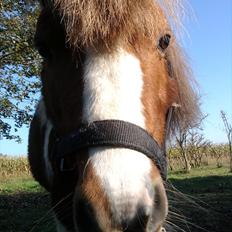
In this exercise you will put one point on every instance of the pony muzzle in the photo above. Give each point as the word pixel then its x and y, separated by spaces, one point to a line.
pixel 94 211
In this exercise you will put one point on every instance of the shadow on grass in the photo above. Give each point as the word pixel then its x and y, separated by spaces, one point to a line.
pixel 201 203
pixel 24 212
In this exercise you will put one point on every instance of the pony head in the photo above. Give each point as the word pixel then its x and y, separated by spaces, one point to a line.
pixel 108 60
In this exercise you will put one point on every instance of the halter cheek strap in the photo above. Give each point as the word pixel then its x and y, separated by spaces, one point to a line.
pixel 112 133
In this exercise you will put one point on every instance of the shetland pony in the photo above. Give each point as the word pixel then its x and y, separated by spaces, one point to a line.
pixel 114 61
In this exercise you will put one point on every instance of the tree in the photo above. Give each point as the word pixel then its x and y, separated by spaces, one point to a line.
pixel 228 129
pixel 181 139
pixel 19 65
pixel 217 152
pixel 197 146
pixel 187 137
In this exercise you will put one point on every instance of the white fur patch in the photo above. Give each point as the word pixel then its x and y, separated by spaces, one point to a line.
pixel 113 85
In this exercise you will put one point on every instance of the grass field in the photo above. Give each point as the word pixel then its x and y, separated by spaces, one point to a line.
pixel 203 202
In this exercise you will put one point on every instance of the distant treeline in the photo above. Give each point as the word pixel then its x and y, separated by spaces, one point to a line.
pixel 207 155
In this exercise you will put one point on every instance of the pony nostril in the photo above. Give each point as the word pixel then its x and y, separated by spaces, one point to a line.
pixel 85 215
pixel 136 224
pixel 160 209
pixel 161 204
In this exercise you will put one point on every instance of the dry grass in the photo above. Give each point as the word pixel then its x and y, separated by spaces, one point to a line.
pixel 14 167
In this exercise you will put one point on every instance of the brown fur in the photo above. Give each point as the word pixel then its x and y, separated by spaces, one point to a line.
pixel 175 87
pixel 92 191
pixel 188 111
pixel 159 92
pixel 137 26
pixel 61 75
pixel 35 151
pixel 94 22
pixel 161 203
pixel 106 23
pixel 164 87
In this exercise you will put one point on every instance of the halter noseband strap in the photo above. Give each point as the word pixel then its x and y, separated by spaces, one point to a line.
pixel 113 133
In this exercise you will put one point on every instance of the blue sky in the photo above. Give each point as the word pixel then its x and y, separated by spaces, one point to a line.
pixel 208 43
pixel 209 47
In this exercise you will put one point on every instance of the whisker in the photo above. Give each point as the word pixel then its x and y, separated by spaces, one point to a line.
pixel 195 202
pixel 189 198
pixel 172 224
pixel 194 225
pixel 50 211
pixel 179 218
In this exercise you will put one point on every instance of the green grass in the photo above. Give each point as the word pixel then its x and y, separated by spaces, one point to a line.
pixel 204 197
pixel 24 212
pixel 203 180
pixel 24 206
pixel 19 184
pixel 204 202
pixel 201 171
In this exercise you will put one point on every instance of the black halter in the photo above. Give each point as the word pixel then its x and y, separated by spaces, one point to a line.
pixel 112 133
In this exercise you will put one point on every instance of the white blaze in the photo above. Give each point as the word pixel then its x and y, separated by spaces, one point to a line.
pixel 113 85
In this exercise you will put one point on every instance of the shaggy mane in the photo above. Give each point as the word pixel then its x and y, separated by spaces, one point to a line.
pixel 187 113
pixel 95 22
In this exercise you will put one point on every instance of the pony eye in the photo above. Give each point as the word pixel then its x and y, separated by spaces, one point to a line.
pixel 164 42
